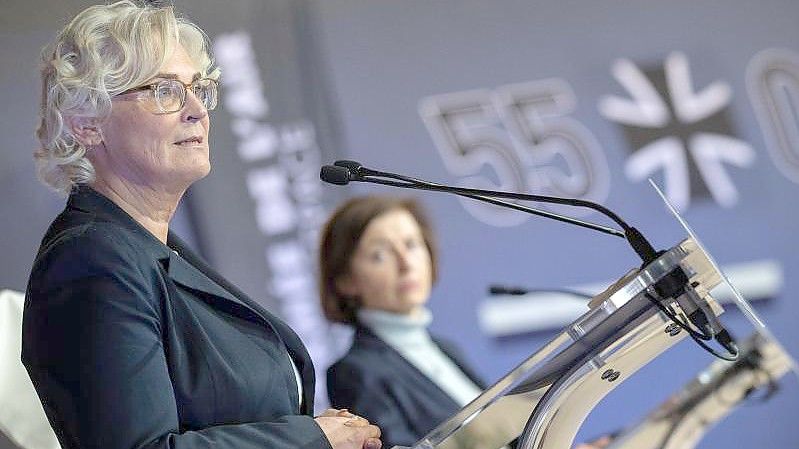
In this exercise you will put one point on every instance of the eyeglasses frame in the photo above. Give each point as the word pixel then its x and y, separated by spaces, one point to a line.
pixel 153 87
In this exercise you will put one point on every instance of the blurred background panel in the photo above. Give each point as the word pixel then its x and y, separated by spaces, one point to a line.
pixel 572 98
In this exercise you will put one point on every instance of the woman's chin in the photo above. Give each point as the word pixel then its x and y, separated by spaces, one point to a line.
pixel 415 306
pixel 183 177
pixel 199 168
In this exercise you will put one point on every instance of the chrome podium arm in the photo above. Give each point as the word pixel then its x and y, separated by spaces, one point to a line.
pixel 562 409
pixel 684 418
pixel 542 402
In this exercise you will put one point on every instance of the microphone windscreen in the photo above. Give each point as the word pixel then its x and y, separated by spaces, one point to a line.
pixel 335 175
pixel 496 289
pixel 354 166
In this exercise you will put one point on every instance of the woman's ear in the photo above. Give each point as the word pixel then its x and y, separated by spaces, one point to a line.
pixel 86 130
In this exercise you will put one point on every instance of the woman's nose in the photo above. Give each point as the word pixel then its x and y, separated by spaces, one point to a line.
pixel 194 110
pixel 403 262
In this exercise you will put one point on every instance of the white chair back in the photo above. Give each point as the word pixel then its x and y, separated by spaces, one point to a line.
pixel 22 417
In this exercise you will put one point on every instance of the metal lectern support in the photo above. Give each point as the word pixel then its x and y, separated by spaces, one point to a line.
pixel 543 402
pixel 684 418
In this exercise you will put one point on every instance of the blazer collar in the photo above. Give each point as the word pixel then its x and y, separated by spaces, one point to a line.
pixel 185 274
pixel 87 200
pixel 405 370
pixel 188 269
pixel 180 262
pixel 367 338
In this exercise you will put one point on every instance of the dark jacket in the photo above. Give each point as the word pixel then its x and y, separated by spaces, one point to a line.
pixel 375 381
pixel 131 343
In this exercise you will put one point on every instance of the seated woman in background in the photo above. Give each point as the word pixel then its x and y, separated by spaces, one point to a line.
pixel 377 267
pixel 377 264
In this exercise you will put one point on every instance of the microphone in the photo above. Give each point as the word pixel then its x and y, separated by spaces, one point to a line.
pixel 497 290
pixel 345 171
pixel 355 168
pixel 335 175
pixel 501 290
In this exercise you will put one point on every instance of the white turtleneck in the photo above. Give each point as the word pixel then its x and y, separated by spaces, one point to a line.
pixel 407 334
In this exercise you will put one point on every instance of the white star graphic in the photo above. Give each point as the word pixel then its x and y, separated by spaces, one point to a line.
pixel 646 108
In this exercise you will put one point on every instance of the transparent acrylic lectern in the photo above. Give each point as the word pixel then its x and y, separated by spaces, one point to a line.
pixel 542 403
pixel 681 421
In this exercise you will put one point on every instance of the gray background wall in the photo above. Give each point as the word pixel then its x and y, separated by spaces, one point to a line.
pixel 354 72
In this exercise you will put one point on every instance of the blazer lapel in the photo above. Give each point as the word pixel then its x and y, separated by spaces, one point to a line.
pixel 190 271
pixel 457 358
pixel 405 371
pixel 186 275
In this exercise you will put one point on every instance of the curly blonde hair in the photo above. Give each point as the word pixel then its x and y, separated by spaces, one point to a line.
pixel 103 51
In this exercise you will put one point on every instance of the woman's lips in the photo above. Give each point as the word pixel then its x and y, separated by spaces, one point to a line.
pixel 190 141
pixel 406 286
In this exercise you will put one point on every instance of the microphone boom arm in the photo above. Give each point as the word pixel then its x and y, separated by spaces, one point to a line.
pixel 343 171
pixel 487 199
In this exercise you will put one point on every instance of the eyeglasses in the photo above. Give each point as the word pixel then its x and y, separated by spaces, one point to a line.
pixel 170 94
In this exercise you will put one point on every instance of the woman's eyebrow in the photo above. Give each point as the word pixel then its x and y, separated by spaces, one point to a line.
pixel 378 242
pixel 175 76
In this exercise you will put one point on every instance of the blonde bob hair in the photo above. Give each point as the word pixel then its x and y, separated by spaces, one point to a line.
pixel 103 51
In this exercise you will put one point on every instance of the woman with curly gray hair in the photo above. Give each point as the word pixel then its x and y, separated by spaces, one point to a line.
pixel 131 340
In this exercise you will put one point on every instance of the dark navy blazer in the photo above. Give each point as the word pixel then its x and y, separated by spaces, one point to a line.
pixel 131 343
pixel 375 381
